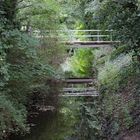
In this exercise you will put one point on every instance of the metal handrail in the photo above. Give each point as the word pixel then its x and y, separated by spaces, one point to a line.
pixel 72 35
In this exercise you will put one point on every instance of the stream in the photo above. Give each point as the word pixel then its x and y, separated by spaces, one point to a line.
pixel 54 125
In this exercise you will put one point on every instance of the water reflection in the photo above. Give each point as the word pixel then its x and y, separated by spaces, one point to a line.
pixel 50 125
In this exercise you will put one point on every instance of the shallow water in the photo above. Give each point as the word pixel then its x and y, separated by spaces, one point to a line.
pixel 49 125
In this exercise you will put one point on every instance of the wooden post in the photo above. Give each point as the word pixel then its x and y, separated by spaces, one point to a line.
pixel 98 37
pixel 111 35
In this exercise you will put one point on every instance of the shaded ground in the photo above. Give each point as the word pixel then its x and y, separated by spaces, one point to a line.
pixel 134 136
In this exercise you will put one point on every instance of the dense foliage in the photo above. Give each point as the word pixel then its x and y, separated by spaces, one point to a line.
pixel 30 58
pixel 22 71
pixel 115 113
pixel 81 63
pixel 121 16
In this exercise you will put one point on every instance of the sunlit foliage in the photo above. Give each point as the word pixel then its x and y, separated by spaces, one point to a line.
pixel 81 63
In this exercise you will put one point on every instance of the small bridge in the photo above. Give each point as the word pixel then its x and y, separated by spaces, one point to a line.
pixel 80 92
pixel 79 87
pixel 80 38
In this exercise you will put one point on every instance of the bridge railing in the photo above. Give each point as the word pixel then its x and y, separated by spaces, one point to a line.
pixel 89 35
pixel 76 35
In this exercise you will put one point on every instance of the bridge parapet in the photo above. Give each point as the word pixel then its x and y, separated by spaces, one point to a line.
pixel 77 35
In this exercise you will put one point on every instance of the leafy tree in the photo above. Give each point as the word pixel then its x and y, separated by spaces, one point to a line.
pixel 20 66
pixel 122 17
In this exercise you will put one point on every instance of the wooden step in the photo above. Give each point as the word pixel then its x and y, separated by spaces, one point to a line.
pixel 80 94
pixel 78 89
pixel 91 42
pixel 78 80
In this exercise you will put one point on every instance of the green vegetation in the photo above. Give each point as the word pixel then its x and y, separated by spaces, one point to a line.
pixel 22 71
pixel 81 63
pixel 30 59
pixel 115 112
